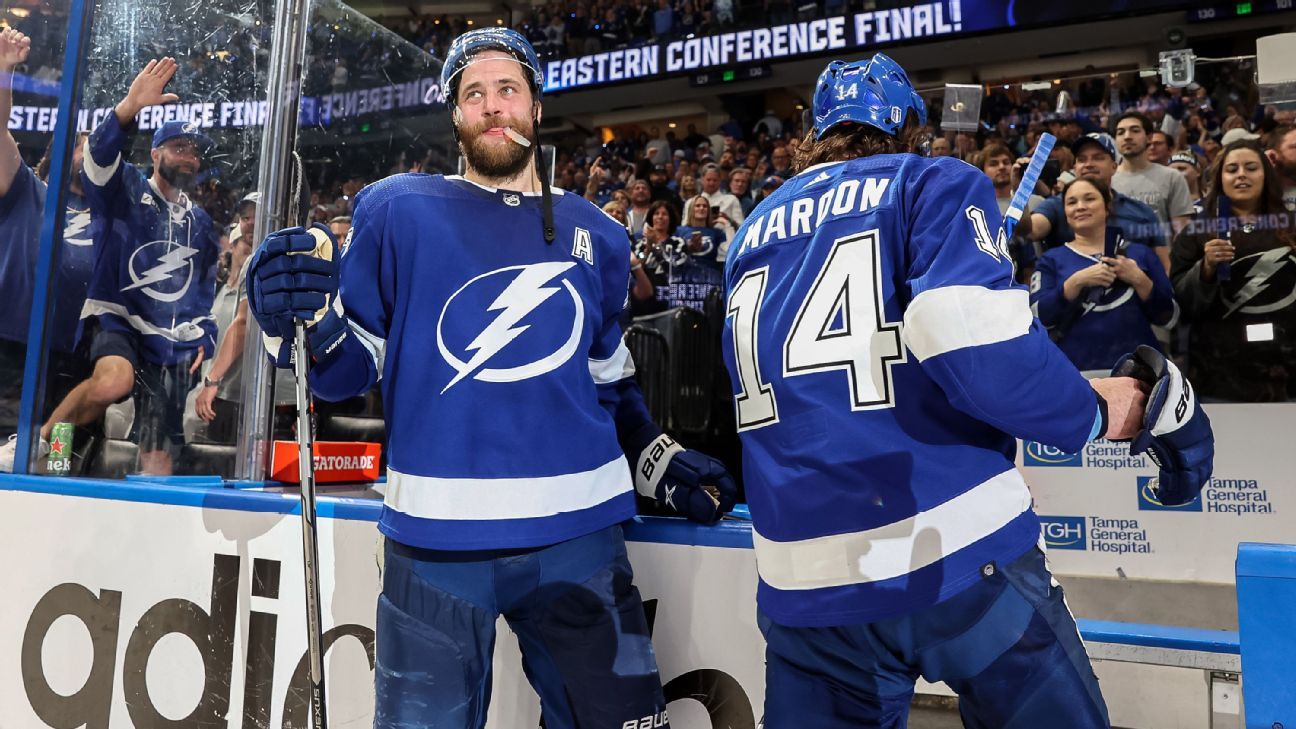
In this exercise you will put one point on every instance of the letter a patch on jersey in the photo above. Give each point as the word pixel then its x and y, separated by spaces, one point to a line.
pixel 582 247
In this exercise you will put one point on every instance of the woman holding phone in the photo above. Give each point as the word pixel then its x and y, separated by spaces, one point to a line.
pixel 1234 271
pixel 1098 295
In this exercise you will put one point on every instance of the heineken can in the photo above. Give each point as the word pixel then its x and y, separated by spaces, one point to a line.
pixel 59 460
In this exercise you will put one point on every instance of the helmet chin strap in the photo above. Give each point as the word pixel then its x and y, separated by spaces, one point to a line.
pixel 546 197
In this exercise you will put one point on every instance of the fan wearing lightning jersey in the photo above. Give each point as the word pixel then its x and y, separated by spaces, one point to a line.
pixel 22 210
pixel 882 359
pixel 147 313
pixel 1098 295
pixel 486 306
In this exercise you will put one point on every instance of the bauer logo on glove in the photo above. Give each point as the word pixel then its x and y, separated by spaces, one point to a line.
pixel 687 482
pixel 1176 433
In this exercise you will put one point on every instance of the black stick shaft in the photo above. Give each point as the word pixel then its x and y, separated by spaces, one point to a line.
pixel 310 543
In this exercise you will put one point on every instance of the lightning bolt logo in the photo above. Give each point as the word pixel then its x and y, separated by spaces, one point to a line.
pixel 1269 263
pixel 76 224
pixel 169 262
pixel 526 292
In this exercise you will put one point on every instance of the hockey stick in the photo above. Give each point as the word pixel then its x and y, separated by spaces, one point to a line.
pixel 310 542
pixel 1017 206
pixel 306 473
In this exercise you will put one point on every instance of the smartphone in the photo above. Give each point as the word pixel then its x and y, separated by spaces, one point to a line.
pixel 1115 244
pixel 1052 170
pixel 715 209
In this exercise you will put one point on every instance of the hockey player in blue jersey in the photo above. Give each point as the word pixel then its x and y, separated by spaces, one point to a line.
pixel 883 360
pixel 147 313
pixel 486 306
pixel 22 210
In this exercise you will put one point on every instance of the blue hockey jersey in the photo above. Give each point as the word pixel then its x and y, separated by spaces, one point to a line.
pixel 155 261
pixel 881 359
pixel 1096 331
pixel 22 212
pixel 500 360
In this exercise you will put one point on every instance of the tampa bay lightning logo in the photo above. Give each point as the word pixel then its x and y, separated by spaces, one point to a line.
pixel 76 228
pixel 528 299
pixel 1262 283
pixel 162 270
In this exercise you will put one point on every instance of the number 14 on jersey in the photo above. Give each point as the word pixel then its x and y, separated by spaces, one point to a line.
pixel 839 325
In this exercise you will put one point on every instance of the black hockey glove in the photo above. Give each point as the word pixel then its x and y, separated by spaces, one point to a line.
pixel 294 274
pixel 1176 433
pixel 689 482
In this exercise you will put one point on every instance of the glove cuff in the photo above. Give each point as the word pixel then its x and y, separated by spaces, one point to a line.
pixel 326 336
pixel 653 460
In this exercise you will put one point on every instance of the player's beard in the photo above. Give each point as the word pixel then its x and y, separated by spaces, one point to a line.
pixel 176 177
pixel 496 161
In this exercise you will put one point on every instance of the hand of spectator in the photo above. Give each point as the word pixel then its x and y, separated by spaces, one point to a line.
pixel 1018 169
pixel 695 242
pixel 1126 270
pixel 1099 274
pixel 198 360
pixel 14 47
pixel 1126 398
pixel 203 403
pixel 147 88
pixel 1216 251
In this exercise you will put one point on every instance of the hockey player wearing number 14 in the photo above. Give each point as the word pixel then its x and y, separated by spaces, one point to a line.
pixel 883 360
pixel 487 307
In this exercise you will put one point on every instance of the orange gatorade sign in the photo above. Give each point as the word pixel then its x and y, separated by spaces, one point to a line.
pixel 334 461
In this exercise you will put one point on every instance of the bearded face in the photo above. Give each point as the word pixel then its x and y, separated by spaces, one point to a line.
pixel 494 155
pixel 178 176
pixel 177 163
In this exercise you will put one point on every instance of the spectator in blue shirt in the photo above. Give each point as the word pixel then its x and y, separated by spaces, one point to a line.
pixel 663 20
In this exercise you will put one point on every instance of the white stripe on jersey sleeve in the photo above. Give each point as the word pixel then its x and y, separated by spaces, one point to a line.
pixel 944 319
pixel 429 497
pixel 889 551
pixel 99 176
pixel 375 345
pixel 613 369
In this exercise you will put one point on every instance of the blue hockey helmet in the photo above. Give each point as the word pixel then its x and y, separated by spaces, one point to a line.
pixel 489 39
pixel 876 92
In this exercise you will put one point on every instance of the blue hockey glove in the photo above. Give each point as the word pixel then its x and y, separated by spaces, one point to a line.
pixel 692 484
pixel 294 274
pixel 1176 433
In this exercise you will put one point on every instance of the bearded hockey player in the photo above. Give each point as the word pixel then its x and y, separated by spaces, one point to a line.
pixel 486 306
pixel 882 361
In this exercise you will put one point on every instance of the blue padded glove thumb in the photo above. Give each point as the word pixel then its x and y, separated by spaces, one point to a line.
pixel 690 483
pixel 1176 433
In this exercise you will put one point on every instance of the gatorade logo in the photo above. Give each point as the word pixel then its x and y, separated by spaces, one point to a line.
pixel 1039 454
pixel 1063 532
